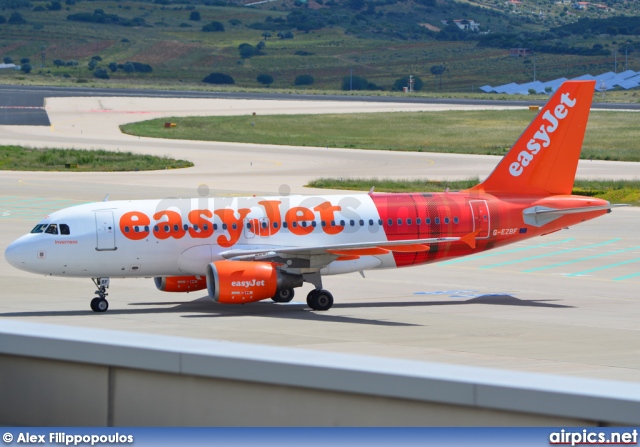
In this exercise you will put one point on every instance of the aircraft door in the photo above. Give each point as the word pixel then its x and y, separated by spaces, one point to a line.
pixel 250 228
pixel 481 218
pixel 105 231
pixel 265 228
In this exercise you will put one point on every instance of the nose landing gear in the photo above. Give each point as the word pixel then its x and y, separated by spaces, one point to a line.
pixel 100 303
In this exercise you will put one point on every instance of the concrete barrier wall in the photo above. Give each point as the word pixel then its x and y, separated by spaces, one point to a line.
pixel 61 376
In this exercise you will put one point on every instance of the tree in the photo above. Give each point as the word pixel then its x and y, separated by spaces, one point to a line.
pixel 93 64
pixel 7 60
pixel 96 58
pixel 26 68
pixel 16 19
pixel 2 20
pixel 265 79
pixel 59 63
pixel 195 16
pixel 113 66
pixel 213 27
pixel 266 35
pixel 304 80
pixel 25 60
pixel 437 71
pixel 54 6
pixel 128 67
pixel 247 50
pixel 101 73
pixel 354 83
pixel 218 78
pixel 404 82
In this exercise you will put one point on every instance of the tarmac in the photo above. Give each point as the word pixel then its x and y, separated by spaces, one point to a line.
pixel 566 303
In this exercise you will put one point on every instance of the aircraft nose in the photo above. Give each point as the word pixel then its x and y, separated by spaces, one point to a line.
pixel 17 254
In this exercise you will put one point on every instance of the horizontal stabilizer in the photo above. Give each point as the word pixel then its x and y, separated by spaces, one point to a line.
pixel 538 216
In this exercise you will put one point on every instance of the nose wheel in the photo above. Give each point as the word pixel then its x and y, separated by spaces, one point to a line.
pixel 100 303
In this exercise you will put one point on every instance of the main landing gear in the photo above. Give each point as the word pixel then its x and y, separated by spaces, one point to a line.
pixel 100 303
pixel 319 299
pixel 283 296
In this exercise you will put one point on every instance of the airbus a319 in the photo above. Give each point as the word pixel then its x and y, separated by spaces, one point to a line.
pixel 255 248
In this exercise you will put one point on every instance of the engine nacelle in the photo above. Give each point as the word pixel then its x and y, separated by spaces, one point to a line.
pixel 180 283
pixel 237 282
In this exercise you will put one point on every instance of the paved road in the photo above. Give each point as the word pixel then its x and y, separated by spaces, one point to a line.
pixel 565 303
pixel 24 105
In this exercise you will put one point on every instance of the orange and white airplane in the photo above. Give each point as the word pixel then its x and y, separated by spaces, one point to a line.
pixel 255 248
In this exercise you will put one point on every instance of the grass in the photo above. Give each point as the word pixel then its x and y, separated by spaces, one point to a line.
pixel 615 191
pixel 17 158
pixel 610 135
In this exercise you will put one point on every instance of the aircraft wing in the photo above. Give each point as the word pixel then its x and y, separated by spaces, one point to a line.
pixel 337 250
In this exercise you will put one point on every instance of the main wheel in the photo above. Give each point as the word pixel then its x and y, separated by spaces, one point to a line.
pixel 320 300
pixel 283 296
pixel 99 305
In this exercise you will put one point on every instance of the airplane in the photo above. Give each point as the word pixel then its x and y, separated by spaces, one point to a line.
pixel 247 249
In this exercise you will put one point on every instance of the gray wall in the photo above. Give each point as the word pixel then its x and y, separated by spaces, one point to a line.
pixel 56 375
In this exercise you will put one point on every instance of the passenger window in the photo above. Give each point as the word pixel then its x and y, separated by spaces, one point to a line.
pixel 333 223
pixel 408 221
pixel 264 225
pixel 427 221
pixel 224 226
pixel 135 229
pixel 275 225
pixel 52 229
pixel 39 228
pixel 418 221
pixel 379 221
pixel 303 223
pixel 186 227
pixel 294 224
pixel 323 223
pixel 437 221
pixel 195 227
pixel 455 220
pixel 205 227
pixel 215 227
pixel 370 222
pixel 156 228
pixel 284 225
pixel 361 223
pixel 126 229
pixel 446 220
pixel 352 223
pixel 313 224
pixel 390 222
pixel 342 223
pixel 166 228
pixel 234 226
pixel 146 228
pixel 64 229
pixel 399 221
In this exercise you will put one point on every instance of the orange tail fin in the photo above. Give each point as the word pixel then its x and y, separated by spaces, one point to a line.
pixel 544 159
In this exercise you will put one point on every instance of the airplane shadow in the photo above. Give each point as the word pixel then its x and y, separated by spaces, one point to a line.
pixel 204 308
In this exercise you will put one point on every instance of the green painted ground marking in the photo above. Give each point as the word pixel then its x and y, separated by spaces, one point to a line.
pixel 560 264
pixel 569 250
pixel 498 253
pixel 604 267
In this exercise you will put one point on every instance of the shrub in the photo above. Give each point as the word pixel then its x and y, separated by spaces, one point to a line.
pixel 304 80
pixel 54 6
pixel 25 60
pixel 265 79
pixel 113 66
pixel 16 19
pixel 218 78
pixel 101 73
pixel 195 16
pixel 213 27
pixel 26 68
pixel 247 50
pixel 7 60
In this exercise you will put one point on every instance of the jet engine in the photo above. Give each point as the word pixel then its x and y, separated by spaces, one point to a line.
pixel 238 282
pixel 180 283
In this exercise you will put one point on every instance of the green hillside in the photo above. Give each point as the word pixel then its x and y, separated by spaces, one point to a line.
pixel 312 43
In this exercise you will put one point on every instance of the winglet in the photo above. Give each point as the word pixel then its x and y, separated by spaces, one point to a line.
pixel 543 161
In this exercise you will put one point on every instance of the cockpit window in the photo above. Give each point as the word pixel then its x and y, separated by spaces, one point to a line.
pixel 64 229
pixel 52 229
pixel 39 228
